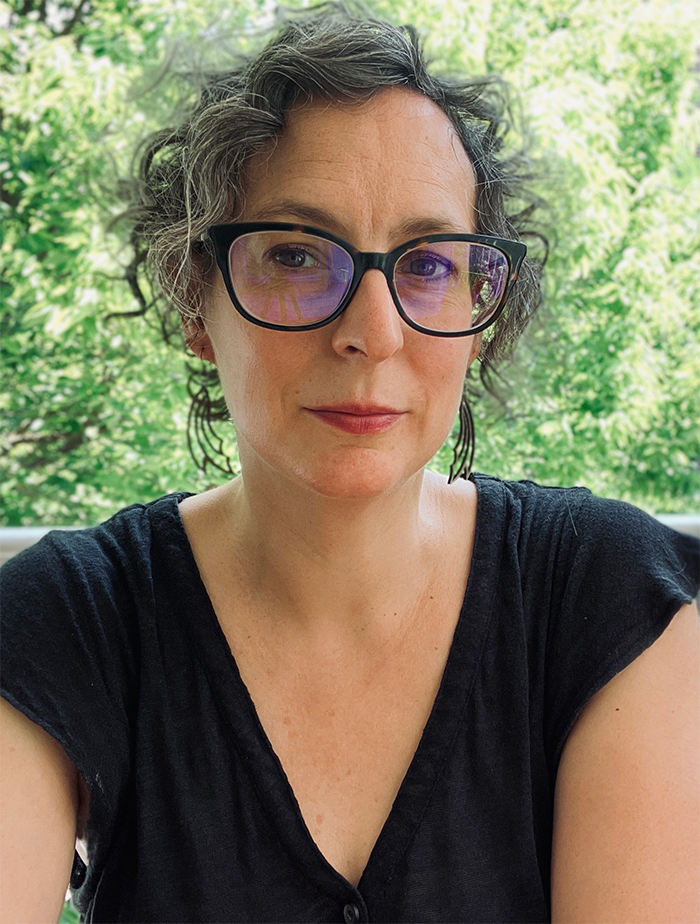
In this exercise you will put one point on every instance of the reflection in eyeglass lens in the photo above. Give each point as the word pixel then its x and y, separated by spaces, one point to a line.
pixel 289 279
pixel 451 285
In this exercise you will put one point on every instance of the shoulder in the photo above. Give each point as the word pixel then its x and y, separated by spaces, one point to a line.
pixel 76 593
pixel 116 542
pixel 533 521
pixel 589 536
pixel 535 505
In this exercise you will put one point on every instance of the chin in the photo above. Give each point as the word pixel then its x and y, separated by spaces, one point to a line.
pixel 369 474
pixel 344 473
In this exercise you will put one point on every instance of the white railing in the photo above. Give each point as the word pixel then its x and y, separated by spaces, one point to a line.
pixel 683 522
pixel 15 538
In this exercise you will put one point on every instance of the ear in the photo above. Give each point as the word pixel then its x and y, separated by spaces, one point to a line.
pixel 197 338
pixel 202 346
pixel 475 349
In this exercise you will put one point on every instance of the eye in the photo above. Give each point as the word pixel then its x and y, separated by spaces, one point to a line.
pixel 427 265
pixel 293 257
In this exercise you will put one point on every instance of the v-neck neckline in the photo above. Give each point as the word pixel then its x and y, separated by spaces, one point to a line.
pixel 241 719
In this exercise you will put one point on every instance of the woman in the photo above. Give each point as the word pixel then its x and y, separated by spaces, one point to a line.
pixel 340 687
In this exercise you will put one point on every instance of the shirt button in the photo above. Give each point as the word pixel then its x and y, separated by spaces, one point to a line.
pixel 351 913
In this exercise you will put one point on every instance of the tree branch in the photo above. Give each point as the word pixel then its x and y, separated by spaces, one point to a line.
pixel 26 8
pixel 75 18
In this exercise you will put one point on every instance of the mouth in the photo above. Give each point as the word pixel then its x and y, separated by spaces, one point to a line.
pixel 363 419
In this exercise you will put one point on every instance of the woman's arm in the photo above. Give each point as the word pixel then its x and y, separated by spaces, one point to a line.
pixel 626 844
pixel 39 800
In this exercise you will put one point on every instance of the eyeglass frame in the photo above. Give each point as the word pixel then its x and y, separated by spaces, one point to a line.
pixel 223 236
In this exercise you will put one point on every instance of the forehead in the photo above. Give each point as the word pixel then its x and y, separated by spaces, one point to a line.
pixel 395 158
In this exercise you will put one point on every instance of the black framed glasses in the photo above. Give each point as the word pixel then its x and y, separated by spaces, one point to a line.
pixel 294 277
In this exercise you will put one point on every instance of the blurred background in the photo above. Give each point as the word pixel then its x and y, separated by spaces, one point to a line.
pixel 605 387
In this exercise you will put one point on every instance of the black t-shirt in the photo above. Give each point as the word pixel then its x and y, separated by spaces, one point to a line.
pixel 111 644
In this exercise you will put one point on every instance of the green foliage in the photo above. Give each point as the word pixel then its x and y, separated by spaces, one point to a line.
pixel 94 405
pixel 605 388
pixel 69 915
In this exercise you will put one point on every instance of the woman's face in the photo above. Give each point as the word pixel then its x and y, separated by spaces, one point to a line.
pixel 376 174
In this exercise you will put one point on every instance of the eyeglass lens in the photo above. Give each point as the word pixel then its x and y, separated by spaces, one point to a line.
pixel 294 279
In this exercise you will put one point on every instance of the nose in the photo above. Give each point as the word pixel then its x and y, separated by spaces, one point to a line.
pixel 370 325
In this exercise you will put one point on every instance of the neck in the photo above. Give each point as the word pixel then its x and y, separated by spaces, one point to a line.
pixel 344 564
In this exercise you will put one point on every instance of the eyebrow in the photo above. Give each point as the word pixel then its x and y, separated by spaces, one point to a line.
pixel 320 218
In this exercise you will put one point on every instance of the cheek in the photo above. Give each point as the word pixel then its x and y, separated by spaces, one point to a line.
pixel 445 390
pixel 448 368
pixel 261 371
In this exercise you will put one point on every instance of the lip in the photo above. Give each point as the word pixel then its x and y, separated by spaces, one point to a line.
pixel 362 419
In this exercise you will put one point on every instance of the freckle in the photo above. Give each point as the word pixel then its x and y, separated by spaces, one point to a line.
pixel 348 773
pixel 319 819
pixel 432 598
pixel 331 713
pixel 287 720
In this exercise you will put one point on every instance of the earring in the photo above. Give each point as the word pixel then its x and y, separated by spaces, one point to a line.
pixel 463 452
pixel 205 444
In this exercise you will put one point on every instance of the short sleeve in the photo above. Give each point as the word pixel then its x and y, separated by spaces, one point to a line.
pixel 68 661
pixel 626 576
